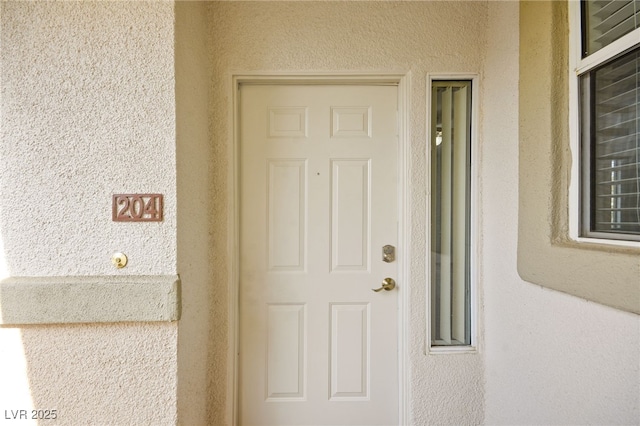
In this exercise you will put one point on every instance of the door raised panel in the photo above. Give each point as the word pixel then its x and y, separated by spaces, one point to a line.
pixel 287 122
pixel 349 351
pixel 286 360
pixel 351 122
pixel 287 205
pixel 350 212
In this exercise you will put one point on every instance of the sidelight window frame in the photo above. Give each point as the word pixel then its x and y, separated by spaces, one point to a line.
pixel 433 345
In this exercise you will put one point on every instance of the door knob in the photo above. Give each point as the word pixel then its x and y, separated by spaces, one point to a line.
pixel 388 284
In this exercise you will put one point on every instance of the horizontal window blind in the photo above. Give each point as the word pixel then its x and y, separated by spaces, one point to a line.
pixel 605 21
pixel 613 95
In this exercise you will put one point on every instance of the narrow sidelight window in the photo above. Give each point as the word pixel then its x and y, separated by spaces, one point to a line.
pixel 450 213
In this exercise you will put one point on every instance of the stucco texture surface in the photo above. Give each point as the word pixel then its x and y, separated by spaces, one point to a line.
pixel 532 335
pixel 604 273
pixel 550 358
pixel 95 96
pixel 87 110
pixel 410 38
pixel 112 374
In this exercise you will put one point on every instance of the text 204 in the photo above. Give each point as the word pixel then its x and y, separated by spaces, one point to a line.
pixel 137 207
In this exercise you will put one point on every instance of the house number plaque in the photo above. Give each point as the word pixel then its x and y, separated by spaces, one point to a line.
pixel 137 207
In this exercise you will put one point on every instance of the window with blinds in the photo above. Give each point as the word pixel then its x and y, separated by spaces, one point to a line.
pixel 605 21
pixel 610 122
pixel 611 103
pixel 450 213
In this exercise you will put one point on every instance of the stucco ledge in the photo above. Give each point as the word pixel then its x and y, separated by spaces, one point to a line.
pixel 89 299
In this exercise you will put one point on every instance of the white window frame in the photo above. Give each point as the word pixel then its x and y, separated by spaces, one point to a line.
pixel 474 220
pixel 577 67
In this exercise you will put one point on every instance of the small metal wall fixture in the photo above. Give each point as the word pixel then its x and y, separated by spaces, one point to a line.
pixel 137 207
pixel 119 260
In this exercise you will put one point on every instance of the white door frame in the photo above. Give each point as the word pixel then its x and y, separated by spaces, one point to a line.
pixel 404 157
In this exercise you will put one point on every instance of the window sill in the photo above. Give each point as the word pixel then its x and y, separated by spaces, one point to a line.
pixel 452 350
pixel 606 242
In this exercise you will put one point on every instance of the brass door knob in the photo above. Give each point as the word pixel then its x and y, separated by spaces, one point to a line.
pixel 388 284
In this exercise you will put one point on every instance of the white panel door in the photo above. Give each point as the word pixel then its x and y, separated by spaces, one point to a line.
pixel 318 201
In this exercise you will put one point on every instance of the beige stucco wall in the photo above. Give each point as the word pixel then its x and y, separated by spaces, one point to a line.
pixel 529 337
pixel 388 37
pixel 607 274
pixel 550 358
pixel 92 91
pixel 87 110
pixel 200 391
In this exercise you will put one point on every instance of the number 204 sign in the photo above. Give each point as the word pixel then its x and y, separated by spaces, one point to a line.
pixel 137 207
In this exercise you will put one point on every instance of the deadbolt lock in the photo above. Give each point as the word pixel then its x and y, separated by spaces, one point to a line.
pixel 388 253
